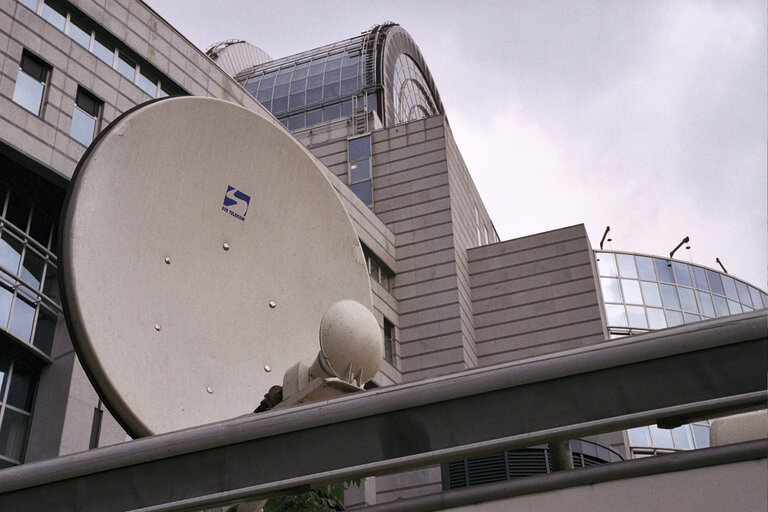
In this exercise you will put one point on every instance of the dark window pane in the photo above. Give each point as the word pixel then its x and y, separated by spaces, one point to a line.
pixel 268 81
pixel 626 265
pixel 332 76
pixel 707 308
pixel 284 76
pixel 279 104
pixel 331 91
pixel 18 211
pixel 314 117
pixel 34 67
pixel 297 100
pixel 13 434
pixel 664 271
pixel 10 252
pixel 690 318
pixel 700 278
pixel 639 436
pixel 252 86
pixel 681 273
pixel 104 50
pixel 314 96
pixel 300 72
pixel 688 300
pixel 334 63
pixel 317 66
pixel 126 66
pixel 54 14
pixel 645 268
pixel 22 318
pixel 674 318
pixel 88 102
pixel 364 191
pixel 22 388
pixel 359 170
pixel 743 293
pixel 314 81
pixel 331 112
pixel 298 86
pixel 32 270
pixel 348 86
pixel 147 83
pixel 359 147
pixel 669 296
pixel 6 298
pixel 51 284
pixel 346 109
pixel 715 284
pixel 372 101
pixel 296 122
pixel 40 228
pixel 730 288
pixel 349 72
pixel 280 91
pixel 265 94
pixel 701 435
pixel 682 437
pixel 5 364
pixel 721 306
pixel 80 32
pixel 755 298
pixel 267 104
pixel 46 325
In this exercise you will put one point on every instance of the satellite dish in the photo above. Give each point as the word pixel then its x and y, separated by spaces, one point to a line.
pixel 201 246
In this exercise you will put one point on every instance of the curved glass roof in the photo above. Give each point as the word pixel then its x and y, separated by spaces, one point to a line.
pixel 410 95
pixel 644 293
pixel 313 87
pixel 340 79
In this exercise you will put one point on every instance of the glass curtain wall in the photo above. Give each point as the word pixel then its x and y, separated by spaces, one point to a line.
pixel 314 87
pixel 643 293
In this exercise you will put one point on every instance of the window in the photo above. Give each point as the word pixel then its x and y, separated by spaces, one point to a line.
pixel 360 181
pixel 85 117
pixel 29 301
pixel 126 66
pixel 30 83
pixel 17 388
pixel 389 342
pixel 377 270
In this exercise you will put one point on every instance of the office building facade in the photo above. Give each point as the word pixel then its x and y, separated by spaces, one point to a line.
pixel 448 294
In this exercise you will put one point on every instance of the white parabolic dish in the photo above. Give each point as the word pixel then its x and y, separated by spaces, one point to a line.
pixel 201 245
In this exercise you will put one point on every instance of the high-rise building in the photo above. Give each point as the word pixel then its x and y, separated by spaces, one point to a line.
pixel 448 294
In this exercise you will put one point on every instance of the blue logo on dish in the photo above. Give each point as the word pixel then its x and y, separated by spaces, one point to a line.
pixel 236 203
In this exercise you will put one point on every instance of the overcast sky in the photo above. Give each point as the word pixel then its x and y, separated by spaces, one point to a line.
pixel 647 116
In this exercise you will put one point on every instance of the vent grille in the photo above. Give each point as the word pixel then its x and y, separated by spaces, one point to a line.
pixel 505 466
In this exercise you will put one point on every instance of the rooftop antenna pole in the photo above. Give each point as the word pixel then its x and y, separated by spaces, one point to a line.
pixel 685 241
pixel 602 240
pixel 721 264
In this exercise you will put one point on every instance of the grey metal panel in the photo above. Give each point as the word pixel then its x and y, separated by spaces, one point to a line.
pixel 535 295
pixel 685 372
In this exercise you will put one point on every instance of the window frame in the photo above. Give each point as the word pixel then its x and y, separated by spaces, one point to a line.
pixel 95 116
pixel 44 81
